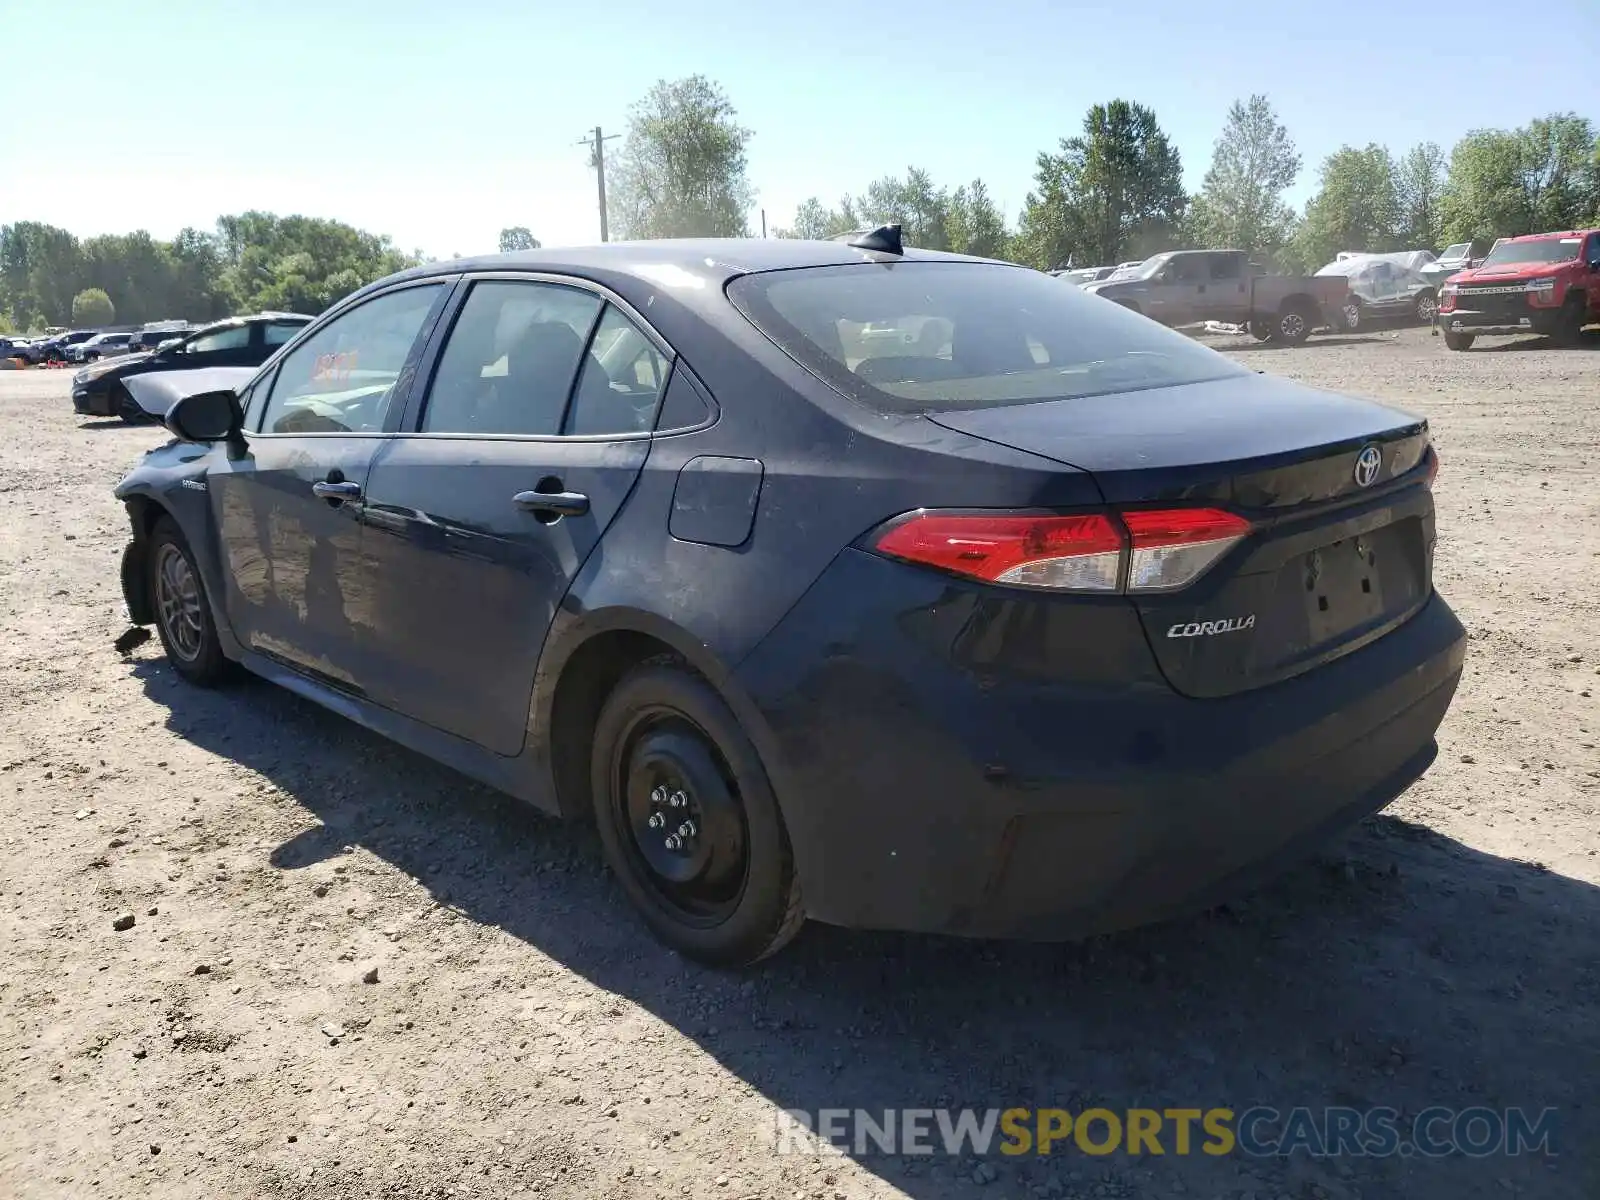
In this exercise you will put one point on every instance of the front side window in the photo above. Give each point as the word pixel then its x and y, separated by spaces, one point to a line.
pixel 511 360
pixel 1226 266
pixel 236 337
pixel 622 378
pixel 278 334
pixel 342 378
pixel 984 335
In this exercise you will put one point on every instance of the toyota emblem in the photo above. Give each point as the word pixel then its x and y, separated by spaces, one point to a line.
pixel 1367 464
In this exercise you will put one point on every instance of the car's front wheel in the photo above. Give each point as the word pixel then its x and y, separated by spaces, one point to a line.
pixel 688 819
pixel 183 612
pixel 1457 341
pixel 1427 307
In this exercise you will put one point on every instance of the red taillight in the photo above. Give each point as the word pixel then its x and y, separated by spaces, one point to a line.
pixel 1172 547
pixel 1079 553
pixel 1137 551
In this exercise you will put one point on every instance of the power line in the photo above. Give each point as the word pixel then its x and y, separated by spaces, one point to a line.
pixel 597 159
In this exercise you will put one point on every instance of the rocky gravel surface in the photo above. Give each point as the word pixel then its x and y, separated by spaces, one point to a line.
pixel 248 949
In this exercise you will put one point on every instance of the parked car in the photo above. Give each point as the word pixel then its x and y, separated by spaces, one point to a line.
pixel 235 342
pixel 1382 287
pixel 59 347
pixel 1462 256
pixel 101 345
pixel 1185 287
pixel 1546 283
pixel 1085 275
pixel 615 565
pixel 152 336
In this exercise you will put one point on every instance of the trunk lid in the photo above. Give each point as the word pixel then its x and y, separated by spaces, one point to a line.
pixel 1331 564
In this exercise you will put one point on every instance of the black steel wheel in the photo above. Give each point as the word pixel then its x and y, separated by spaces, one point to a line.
pixel 183 612
pixel 688 820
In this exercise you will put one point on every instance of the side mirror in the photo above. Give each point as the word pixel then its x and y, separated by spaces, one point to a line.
pixel 206 417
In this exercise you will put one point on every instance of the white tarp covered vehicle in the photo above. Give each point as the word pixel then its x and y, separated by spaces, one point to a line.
pixel 1386 285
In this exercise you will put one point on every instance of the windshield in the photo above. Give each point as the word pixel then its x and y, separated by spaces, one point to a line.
pixel 972 335
pixel 1459 250
pixel 1545 250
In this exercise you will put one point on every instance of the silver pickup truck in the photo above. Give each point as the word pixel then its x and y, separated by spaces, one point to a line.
pixel 1185 287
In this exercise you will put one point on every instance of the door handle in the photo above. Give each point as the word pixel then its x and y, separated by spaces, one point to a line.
pixel 561 504
pixel 327 489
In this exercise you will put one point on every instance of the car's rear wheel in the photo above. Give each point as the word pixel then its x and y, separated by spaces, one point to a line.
pixel 1427 307
pixel 688 819
pixel 183 612
pixel 1293 325
pixel 1262 328
pixel 1457 341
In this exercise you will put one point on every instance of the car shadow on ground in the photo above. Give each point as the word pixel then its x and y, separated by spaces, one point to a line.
pixel 103 424
pixel 1590 340
pixel 1399 969
pixel 1232 342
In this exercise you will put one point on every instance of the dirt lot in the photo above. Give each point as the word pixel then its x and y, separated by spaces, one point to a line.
pixel 525 1036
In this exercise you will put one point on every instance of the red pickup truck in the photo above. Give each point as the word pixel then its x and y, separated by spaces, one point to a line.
pixel 1545 283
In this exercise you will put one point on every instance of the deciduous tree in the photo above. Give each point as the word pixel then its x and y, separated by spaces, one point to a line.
pixel 681 172
pixel 92 307
pixel 1240 205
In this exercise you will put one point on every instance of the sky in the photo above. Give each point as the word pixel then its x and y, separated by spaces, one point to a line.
pixel 440 123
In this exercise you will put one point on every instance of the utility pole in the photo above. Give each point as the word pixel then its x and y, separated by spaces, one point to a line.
pixel 763 222
pixel 597 159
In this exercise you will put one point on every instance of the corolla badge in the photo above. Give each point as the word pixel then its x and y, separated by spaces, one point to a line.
pixel 1368 463
pixel 1211 628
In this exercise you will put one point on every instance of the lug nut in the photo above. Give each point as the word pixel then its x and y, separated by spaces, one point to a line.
pixel 679 799
pixel 686 830
pixel 672 841
pixel 658 794
pixel 657 820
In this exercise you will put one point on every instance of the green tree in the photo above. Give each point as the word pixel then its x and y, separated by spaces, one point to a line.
pixel 974 224
pixel 681 172
pixel 41 270
pixel 517 237
pixel 815 221
pixel 1356 208
pixel 1113 192
pixel 1240 205
pixel 1419 184
pixel 92 307
pixel 914 203
pixel 1507 182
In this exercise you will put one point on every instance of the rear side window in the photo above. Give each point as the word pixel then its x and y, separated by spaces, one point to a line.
pixel 236 337
pixel 278 334
pixel 928 336
pixel 511 360
pixel 622 378
pixel 342 378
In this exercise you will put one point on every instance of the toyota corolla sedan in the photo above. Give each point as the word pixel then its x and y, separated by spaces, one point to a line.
pixel 1038 621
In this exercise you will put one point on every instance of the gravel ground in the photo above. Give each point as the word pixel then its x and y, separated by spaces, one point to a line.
pixel 522 1035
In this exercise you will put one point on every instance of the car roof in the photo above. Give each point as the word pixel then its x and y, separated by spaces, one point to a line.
pixel 707 259
pixel 232 322
pixel 1544 237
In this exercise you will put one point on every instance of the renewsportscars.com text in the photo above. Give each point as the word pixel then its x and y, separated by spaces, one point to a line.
pixel 1259 1131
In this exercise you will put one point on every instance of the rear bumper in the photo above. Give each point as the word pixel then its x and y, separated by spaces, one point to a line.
pixel 930 784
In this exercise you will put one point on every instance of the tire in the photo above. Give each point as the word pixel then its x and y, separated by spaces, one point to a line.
pixel 125 407
pixel 1261 328
pixel 667 746
pixel 1351 311
pixel 1292 325
pixel 1457 341
pixel 182 608
pixel 1574 315
pixel 1426 306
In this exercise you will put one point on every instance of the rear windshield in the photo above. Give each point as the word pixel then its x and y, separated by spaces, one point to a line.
pixel 925 336
pixel 1547 250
